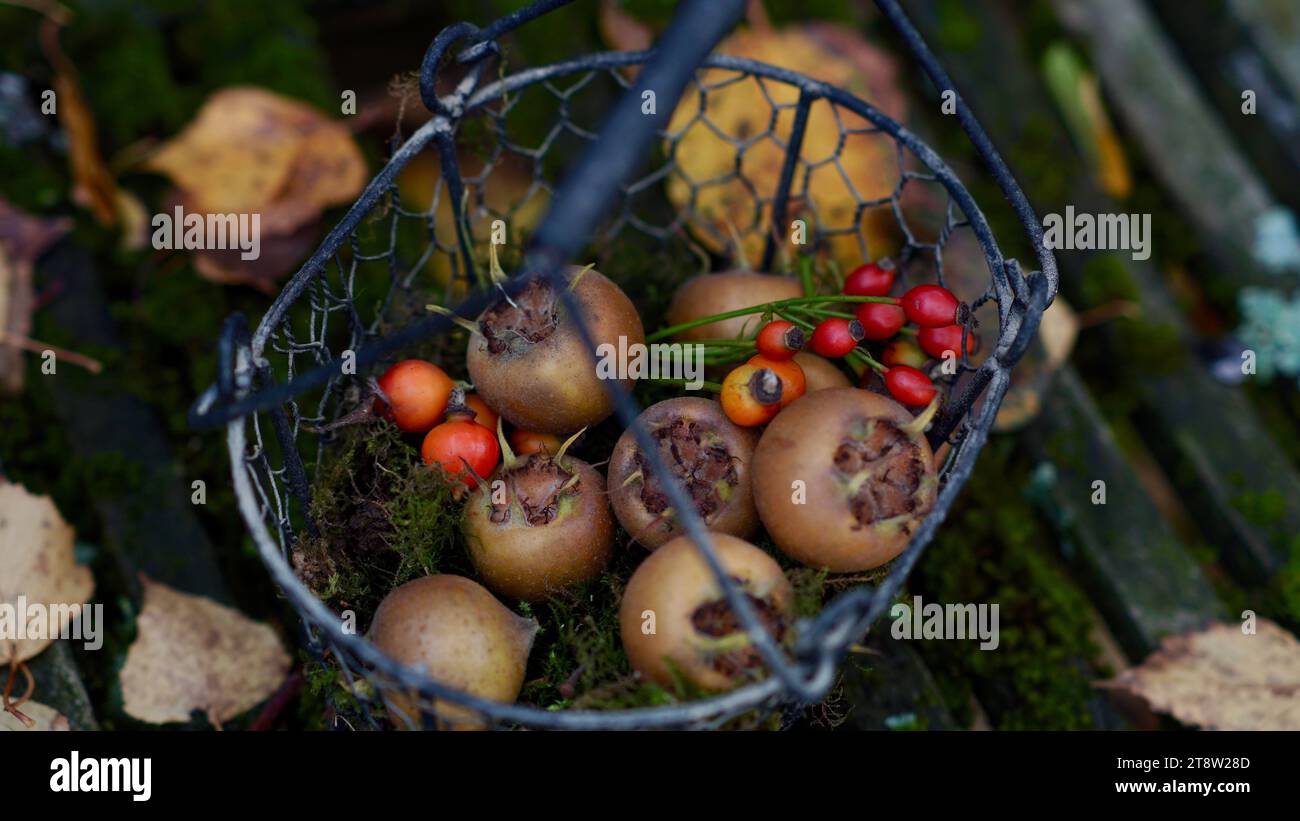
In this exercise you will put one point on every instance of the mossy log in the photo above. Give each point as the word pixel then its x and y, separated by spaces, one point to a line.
pixel 888 687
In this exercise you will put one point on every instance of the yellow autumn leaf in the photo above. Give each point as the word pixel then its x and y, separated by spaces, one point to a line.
pixel 253 151
pixel 840 168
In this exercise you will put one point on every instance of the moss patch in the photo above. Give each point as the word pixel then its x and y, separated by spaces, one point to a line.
pixel 385 518
pixel 993 549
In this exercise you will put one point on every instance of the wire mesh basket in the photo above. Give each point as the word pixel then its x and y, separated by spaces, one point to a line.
pixel 621 178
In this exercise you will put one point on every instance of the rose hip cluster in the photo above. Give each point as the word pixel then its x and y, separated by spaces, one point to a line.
pixel 753 393
pixel 932 308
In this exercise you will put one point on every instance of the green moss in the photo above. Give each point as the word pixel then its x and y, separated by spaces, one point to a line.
pixel 1285 588
pixel 993 549
pixel 383 518
pixel 1151 348
pixel 1105 279
pixel 1265 508
pixel 810 586
pixel 959 29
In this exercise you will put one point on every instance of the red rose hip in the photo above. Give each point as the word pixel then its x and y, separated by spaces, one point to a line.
pixel 871 279
pixel 880 320
pixel 779 340
pixel 909 386
pixel 931 306
pixel 937 341
pixel 836 336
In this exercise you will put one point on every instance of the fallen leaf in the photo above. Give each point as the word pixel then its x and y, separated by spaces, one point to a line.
pixel 191 653
pixel 36 563
pixel 1058 329
pixel 621 30
pixel 1032 376
pixel 134 218
pixel 252 151
pixel 841 169
pixel 44 719
pixel 1078 96
pixel 16 304
pixel 279 256
pixel 507 193
pixel 1220 678
pixel 94 187
pixel 26 236
pixel 23 238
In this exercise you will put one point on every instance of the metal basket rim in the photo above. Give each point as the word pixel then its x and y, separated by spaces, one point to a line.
pixel 868 603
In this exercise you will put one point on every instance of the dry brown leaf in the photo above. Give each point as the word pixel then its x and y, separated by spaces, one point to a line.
pixel 1032 376
pixel 94 187
pixel 1058 329
pixel 23 238
pixel 250 150
pixel 867 166
pixel 280 256
pixel 134 218
pixel 44 719
pixel 621 30
pixel 1220 678
pixel 26 236
pixel 191 653
pixel 36 563
pixel 16 304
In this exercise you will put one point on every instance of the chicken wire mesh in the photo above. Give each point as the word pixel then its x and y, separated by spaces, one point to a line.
pixel 626 179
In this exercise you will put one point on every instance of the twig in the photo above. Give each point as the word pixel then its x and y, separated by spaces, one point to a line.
pixel 36 346
pixel 283 697
pixel 50 9
pixel 11 706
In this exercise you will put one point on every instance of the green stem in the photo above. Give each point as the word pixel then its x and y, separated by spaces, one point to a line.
pixel 712 387
pixel 867 359
pixel 806 275
pixel 775 307
pixel 826 312
pixel 725 343
pixel 856 355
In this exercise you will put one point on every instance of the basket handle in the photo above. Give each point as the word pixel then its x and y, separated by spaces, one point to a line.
pixel 983 145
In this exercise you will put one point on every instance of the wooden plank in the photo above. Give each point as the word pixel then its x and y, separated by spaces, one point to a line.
pixel 1275 26
pixel 1223 47
pixel 1208 435
pixel 1188 147
pixel 1142 578
pixel 150 524
pixel 888 687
